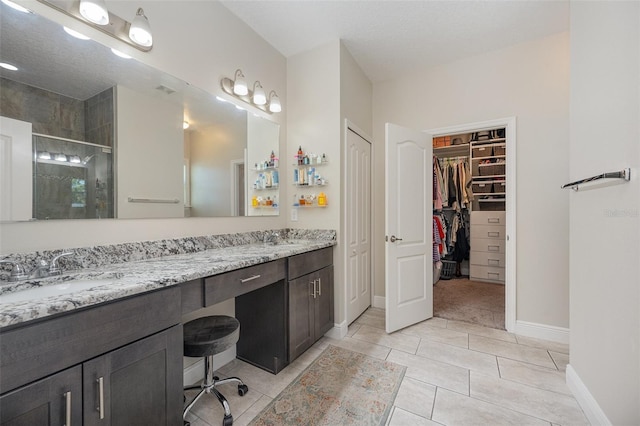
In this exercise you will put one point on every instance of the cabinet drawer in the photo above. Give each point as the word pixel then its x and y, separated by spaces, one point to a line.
pixel 306 263
pixel 482 258
pixel 487 218
pixel 192 296
pixel 488 245
pixel 231 284
pixel 488 231
pixel 486 273
pixel 34 351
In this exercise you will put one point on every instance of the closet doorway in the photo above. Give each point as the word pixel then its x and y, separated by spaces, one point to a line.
pixel 474 223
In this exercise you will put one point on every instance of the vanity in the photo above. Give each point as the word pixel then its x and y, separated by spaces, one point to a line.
pixel 113 353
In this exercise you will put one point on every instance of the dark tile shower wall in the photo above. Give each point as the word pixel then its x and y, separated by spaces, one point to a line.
pixel 99 118
pixel 49 113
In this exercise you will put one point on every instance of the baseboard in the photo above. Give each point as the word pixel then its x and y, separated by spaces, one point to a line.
pixel 542 331
pixel 587 402
pixel 379 302
pixel 339 331
pixel 195 372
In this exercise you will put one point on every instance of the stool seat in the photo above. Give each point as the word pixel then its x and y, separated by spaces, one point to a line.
pixel 210 335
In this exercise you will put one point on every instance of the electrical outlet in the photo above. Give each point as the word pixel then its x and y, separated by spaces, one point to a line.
pixel 294 215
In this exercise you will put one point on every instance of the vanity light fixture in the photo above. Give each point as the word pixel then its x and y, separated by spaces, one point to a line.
pixel 238 89
pixel 259 97
pixel 16 6
pixel 44 155
pixel 274 102
pixel 75 159
pixel 140 31
pixel 60 157
pixel 94 11
pixel 95 14
pixel 240 84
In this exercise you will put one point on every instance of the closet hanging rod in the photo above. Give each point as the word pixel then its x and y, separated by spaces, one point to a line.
pixel 622 174
pixel 152 200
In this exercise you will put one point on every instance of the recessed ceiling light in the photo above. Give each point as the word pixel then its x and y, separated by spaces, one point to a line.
pixel 75 34
pixel 119 53
pixel 16 6
pixel 8 66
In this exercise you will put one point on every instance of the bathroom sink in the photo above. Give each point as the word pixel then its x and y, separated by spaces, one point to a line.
pixel 58 289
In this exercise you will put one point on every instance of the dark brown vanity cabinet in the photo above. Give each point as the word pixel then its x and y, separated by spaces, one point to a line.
pixel 114 364
pixel 310 299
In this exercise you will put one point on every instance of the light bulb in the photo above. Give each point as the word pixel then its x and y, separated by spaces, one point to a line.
pixel 240 84
pixel 94 11
pixel 75 34
pixel 274 102
pixel 140 31
pixel 259 97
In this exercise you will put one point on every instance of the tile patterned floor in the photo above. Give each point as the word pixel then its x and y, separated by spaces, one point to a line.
pixel 457 374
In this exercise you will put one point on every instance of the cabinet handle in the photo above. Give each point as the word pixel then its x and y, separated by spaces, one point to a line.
pixel 319 286
pixel 67 409
pixel 493 248
pixel 100 407
pixel 314 288
pixel 493 262
pixel 255 277
pixel 493 234
pixel 493 220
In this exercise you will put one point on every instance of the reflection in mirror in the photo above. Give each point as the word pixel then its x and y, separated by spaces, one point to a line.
pixel 77 98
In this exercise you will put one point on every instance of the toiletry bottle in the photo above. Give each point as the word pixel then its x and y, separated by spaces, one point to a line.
pixel 254 201
pixel 322 199
pixel 272 159
pixel 300 155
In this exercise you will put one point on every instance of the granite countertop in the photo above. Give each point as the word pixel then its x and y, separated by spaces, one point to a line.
pixel 134 277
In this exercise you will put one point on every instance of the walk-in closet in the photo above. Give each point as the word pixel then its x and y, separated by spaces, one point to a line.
pixel 469 203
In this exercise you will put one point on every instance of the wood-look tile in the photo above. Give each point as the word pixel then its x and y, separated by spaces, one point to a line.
pixel 416 397
pixel 451 408
pixel 401 417
pixel 543 344
pixel 543 404
pixel 361 346
pixel 432 372
pixel 533 375
pixel 561 360
pixel 403 342
pixel 425 330
pixel 479 330
pixel 511 350
pixel 461 357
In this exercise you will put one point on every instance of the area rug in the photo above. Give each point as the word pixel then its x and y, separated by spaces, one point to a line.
pixel 340 387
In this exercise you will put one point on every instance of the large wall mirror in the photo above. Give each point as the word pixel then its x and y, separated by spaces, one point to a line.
pixel 86 133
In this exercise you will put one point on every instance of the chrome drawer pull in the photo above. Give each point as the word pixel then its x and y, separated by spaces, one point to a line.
pixel 493 234
pixel 314 288
pixel 67 409
pixel 255 277
pixel 101 397
pixel 319 286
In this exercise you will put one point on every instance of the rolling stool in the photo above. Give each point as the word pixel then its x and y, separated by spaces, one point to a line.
pixel 206 337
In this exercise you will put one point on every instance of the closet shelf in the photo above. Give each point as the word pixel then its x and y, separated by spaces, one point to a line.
pixel 489 141
pixel 489 157
pixel 452 151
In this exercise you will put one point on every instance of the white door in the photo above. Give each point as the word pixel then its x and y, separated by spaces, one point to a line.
pixel 408 227
pixel 358 199
pixel 16 168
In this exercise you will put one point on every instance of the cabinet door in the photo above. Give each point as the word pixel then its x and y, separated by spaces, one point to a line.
pixel 140 383
pixel 301 316
pixel 54 401
pixel 323 302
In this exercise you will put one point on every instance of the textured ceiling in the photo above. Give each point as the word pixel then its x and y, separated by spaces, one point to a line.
pixel 388 37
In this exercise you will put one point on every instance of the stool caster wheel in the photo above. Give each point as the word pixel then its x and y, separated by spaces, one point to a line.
pixel 216 378
pixel 242 390
pixel 186 423
pixel 227 421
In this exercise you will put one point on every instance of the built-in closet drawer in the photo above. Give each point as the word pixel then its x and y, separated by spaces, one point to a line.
pixel 488 231
pixel 487 218
pixel 483 258
pixel 486 273
pixel 488 245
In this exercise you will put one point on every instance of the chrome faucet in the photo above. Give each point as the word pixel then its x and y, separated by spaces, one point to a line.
pixel 270 238
pixel 43 269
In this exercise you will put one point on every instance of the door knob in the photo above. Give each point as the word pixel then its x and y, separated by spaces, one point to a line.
pixel 393 239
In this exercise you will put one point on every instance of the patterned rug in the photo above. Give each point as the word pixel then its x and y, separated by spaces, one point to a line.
pixel 340 387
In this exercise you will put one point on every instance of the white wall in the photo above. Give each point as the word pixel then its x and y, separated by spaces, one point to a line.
pixel 605 222
pixel 149 154
pixel 211 43
pixel 529 81
pixel 261 141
